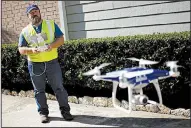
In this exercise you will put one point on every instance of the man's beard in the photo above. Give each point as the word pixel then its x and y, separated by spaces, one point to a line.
pixel 36 20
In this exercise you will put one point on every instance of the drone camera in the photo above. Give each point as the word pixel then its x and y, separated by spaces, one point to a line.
pixel 140 99
pixel 143 100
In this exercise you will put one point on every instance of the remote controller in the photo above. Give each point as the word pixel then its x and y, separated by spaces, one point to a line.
pixel 42 48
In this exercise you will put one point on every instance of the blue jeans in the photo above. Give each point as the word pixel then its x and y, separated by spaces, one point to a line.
pixel 42 72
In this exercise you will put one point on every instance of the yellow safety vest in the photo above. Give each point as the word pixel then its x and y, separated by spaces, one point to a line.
pixel 49 29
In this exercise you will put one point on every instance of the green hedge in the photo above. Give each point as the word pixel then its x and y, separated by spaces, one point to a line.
pixel 78 56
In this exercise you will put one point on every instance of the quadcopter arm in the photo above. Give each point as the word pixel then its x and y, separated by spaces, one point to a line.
pixel 171 74
pixel 104 77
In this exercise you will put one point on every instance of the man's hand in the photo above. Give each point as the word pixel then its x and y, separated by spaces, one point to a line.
pixel 44 48
pixel 49 48
pixel 27 50
pixel 57 43
pixel 35 50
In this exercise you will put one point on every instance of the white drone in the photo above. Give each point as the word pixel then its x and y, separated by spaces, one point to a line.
pixel 135 79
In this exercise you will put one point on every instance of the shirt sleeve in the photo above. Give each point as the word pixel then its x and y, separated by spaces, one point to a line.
pixel 22 41
pixel 58 32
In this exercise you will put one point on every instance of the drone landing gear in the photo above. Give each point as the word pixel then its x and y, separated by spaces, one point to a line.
pixel 156 84
pixel 115 85
pixel 133 98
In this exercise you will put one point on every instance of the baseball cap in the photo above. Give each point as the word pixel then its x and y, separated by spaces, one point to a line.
pixel 31 7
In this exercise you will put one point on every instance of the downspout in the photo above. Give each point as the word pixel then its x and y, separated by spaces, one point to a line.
pixel 63 19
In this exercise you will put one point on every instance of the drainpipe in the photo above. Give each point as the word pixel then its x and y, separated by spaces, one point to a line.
pixel 63 19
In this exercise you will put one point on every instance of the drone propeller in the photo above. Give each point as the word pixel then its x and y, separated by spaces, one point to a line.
pixel 143 62
pixel 103 65
pixel 91 72
pixel 96 70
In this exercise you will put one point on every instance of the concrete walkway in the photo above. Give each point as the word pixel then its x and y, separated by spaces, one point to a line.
pixel 21 112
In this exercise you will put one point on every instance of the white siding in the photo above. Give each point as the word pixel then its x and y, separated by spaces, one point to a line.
pixel 129 31
pixel 90 19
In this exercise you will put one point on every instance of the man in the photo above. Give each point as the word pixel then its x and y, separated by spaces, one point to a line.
pixel 39 41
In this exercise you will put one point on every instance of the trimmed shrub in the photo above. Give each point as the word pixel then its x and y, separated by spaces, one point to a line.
pixel 79 56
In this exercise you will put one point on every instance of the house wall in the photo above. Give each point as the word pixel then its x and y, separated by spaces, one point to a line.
pixel 14 18
pixel 96 19
pixel 91 19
